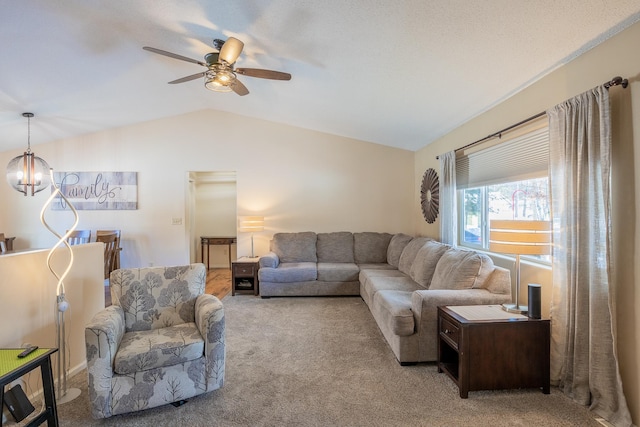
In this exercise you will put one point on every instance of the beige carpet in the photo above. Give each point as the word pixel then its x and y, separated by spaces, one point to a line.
pixel 323 362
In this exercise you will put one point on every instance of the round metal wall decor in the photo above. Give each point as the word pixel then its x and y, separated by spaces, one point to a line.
pixel 430 195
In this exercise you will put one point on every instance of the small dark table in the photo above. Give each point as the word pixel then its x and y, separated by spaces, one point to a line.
pixel 208 241
pixel 12 368
pixel 485 348
pixel 244 275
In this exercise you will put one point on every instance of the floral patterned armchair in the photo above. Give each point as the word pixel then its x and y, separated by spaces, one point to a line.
pixel 162 341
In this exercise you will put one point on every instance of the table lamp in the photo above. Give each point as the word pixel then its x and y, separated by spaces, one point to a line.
pixel 519 238
pixel 251 224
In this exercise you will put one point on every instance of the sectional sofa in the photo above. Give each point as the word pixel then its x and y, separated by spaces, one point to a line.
pixel 402 279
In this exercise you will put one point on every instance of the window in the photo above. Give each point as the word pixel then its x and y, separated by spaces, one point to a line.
pixel 525 199
pixel 506 181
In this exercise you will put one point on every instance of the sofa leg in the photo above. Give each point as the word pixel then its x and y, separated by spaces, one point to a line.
pixel 407 363
pixel 179 402
pixel 264 297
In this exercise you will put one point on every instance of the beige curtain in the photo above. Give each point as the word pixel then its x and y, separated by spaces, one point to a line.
pixel 448 203
pixel 584 361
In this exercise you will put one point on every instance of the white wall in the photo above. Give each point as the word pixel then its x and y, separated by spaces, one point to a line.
pixel 614 57
pixel 298 179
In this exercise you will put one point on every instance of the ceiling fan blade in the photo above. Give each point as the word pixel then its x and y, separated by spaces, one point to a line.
pixel 263 74
pixel 188 78
pixel 173 55
pixel 239 88
pixel 231 49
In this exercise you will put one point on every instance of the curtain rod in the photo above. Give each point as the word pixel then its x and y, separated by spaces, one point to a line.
pixel 613 82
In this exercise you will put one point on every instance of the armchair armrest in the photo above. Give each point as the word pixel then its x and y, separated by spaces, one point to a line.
pixel 269 260
pixel 103 335
pixel 210 322
pixel 210 319
pixel 102 338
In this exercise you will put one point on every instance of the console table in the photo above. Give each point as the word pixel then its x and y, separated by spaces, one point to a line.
pixel 208 241
pixel 12 368
pixel 485 348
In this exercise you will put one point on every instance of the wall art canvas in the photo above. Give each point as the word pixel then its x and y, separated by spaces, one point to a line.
pixel 97 190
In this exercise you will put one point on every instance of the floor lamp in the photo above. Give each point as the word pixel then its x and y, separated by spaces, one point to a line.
pixel 64 394
pixel 251 224
pixel 519 238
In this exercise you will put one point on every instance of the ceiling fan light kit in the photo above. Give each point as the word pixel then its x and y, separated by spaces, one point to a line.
pixel 220 75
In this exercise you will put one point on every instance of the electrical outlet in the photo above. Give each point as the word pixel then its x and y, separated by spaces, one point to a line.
pixel 176 221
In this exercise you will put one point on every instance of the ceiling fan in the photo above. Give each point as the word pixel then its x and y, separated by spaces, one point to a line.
pixel 220 75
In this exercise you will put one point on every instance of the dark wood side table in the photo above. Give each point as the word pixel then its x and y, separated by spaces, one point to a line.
pixel 244 275
pixel 486 348
pixel 208 241
pixel 12 368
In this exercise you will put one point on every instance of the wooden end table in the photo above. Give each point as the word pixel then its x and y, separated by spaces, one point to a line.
pixel 486 348
pixel 244 275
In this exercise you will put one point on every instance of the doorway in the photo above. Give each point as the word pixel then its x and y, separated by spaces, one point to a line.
pixel 212 212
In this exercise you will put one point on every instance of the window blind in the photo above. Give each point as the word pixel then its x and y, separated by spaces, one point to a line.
pixel 522 157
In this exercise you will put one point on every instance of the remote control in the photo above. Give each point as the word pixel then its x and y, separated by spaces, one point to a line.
pixel 28 351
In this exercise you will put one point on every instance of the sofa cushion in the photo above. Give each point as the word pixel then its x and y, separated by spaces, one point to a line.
pixel 295 247
pixel 461 269
pixel 370 247
pixel 338 272
pixel 396 246
pixel 289 272
pixel 426 260
pixel 375 284
pixel 376 266
pixel 335 247
pixel 394 309
pixel 409 253
pixel 158 348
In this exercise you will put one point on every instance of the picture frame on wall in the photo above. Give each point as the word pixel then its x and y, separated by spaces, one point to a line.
pixel 97 190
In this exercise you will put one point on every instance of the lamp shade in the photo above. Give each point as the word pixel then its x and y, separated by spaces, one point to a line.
pixel 520 237
pixel 250 224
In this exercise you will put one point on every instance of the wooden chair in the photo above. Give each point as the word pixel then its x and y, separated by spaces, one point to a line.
pixel 78 237
pixel 110 251
pixel 116 261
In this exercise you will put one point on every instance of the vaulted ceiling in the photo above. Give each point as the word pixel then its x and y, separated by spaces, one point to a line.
pixel 399 73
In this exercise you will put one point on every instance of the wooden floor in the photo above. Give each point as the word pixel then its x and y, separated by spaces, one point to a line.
pixel 218 284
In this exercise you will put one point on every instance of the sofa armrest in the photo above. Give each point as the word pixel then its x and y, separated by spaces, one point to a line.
pixel 424 303
pixel 269 260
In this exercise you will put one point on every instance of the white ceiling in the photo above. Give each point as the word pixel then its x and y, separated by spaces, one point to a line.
pixel 399 73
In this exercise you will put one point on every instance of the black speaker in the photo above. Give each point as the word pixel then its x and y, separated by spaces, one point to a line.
pixel 18 403
pixel 535 301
